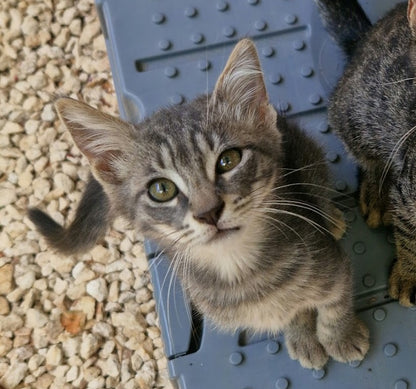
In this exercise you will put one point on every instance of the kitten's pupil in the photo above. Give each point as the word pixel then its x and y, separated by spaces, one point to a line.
pixel 162 190
pixel 228 160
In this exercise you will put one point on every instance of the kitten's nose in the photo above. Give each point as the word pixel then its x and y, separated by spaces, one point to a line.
pixel 211 216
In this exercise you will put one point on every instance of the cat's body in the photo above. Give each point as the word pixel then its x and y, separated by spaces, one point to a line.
pixel 239 201
pixel 264 272
pixel 373 109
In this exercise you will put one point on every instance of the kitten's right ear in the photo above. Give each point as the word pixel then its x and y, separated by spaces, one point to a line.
pixel 241 85
pixel 102 138
pixel 411 16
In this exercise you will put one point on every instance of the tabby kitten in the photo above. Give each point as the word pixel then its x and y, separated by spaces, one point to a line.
pixel 373 109
pixel 237 199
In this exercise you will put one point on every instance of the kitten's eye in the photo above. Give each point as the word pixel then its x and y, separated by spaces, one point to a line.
pixel 162 190
pixel 228 160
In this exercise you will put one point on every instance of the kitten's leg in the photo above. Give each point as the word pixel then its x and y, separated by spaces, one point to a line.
pixel 302 342
pixel 374 201
pixel 402 282
pixel 344 337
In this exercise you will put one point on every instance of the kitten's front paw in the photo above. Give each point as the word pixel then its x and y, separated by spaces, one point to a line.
pixel 308 351
pixel 353 346
pixel 402 285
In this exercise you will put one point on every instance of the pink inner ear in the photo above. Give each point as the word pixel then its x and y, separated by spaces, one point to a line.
pixel 411 15
pixel 103 166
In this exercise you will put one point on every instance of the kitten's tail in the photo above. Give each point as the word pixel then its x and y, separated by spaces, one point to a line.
pixel 91 222
pixel 345 21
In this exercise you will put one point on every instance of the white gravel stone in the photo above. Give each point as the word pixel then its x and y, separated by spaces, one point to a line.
pixel 83 274
pixel 54 355
pixel 59 372
pixel 118 265
pixel 7 196
pixel 110 366
pixel 44 381
pixel 98 289
pixel 29 26
pixel 35 361
pixel 36 318
pixel 100 254
pixel 14 375
pixel 113 292
pixel 40 338
pixel 15 295
pixel 103 329
pixel 85 304
pixel 72 374
pixel 89 345
pixel 6 278
pixel 26 280
pixel 6 345
pixel 41 187
pixel 4 306
pixel 11 322
pixel 60 286
pixel 62 181
pixel 61 264
pixel 107 349
pixel 127 277
pixel 25 179
pixel 12 128
pixel 48 114
pixel 76 291
pixel 127 320
pixel 71 346
pixel 96 383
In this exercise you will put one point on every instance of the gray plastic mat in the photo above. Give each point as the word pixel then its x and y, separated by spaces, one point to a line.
pixel 166 52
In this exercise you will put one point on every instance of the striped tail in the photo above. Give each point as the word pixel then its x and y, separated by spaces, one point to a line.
pixel 91 222
pixel 345 21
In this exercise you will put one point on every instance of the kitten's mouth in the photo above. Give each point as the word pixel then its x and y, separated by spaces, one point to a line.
pixel 224 233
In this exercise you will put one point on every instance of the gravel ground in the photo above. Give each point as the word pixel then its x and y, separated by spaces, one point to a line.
pixel 65 322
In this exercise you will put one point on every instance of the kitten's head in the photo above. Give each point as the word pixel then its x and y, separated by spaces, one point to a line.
pixel 192 177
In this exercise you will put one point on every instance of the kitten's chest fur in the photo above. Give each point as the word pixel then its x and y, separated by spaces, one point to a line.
pixel 273 284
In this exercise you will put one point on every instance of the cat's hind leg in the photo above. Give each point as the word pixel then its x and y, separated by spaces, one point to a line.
pixel 302 342
pixel 374 196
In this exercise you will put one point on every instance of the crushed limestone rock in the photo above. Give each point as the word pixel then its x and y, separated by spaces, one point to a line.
pixel 84 321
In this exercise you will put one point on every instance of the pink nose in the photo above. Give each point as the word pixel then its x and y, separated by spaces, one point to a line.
pixel 211 216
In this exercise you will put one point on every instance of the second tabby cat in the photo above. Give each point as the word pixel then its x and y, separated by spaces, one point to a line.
pixel 373 109
pixel 239 201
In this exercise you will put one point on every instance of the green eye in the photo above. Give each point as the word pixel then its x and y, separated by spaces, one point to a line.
pixel 162 190
pixel 228 160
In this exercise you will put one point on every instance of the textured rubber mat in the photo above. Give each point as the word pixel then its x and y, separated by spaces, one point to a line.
pixel 166 52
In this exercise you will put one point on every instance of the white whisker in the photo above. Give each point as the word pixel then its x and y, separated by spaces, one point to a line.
pixel 393 153
pixel 398 81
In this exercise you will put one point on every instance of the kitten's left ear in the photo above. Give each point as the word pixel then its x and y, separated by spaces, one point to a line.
pixel 241 84
pixel 411 16
pixel 103 139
